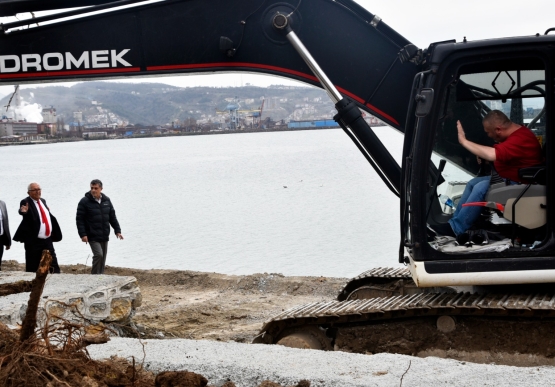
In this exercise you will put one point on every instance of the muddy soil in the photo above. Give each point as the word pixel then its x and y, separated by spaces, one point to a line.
pixel 212 306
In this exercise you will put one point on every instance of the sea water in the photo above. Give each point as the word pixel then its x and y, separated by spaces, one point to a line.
pixel 296 203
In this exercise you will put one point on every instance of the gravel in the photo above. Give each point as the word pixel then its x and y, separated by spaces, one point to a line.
pixel 247 365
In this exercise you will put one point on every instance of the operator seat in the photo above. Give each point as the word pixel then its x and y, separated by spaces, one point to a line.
pixel 527 200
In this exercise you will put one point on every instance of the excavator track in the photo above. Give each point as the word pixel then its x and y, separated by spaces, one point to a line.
pixel 380 281
pixel 424 323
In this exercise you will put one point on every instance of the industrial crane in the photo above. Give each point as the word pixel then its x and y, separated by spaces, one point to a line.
pixel 260 114
pixel 231 110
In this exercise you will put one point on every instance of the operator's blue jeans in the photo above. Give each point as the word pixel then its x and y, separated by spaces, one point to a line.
pixel 464 217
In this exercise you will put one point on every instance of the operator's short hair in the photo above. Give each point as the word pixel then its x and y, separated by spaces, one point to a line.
pixel 96 182
pixel 498 117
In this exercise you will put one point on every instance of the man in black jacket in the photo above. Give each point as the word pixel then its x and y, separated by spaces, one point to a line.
pixel 37 230
pixel 95 215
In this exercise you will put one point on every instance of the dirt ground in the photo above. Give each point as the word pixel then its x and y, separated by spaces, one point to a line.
pixel 212 306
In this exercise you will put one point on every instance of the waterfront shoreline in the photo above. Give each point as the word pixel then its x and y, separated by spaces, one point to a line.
pixel 78 139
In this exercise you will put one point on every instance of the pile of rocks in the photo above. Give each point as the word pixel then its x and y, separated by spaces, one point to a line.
pixel 95 298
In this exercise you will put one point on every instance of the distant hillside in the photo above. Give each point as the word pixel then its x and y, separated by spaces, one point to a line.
pixel 156 103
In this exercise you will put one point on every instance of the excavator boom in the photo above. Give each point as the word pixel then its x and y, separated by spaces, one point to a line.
pixel 358 52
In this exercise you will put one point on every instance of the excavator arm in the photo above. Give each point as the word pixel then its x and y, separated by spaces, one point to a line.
pixel 357 51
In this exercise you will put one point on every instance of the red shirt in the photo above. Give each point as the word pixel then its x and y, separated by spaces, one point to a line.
pixel 520 150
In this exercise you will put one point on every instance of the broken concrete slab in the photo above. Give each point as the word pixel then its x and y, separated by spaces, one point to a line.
pixel 247 365
pixel 97 298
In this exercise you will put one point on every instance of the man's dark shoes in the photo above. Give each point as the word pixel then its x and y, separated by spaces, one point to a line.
pixel 443 229
pixel 473 237
pixel 464 239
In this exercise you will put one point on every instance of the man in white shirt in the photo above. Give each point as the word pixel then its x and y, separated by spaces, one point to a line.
pixel 38 229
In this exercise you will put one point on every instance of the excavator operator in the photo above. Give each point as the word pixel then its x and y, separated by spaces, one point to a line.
pixel 517 147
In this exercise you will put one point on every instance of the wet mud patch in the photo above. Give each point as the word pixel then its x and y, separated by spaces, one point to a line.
pixel 185 379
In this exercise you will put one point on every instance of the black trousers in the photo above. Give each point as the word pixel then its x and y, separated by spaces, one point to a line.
pixel 4 240
pixel 33 254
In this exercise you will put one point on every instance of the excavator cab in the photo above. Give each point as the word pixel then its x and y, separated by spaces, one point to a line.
pixel 514 241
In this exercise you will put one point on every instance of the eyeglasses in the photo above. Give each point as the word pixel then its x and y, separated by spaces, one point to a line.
pixel 36 189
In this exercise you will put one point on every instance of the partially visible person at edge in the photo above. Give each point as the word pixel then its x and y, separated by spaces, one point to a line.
pixel 95 215
pixel 517 147
pixel 5 238
pixel 37 230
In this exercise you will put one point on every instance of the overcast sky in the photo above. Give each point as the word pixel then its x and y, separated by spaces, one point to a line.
pixel 421 22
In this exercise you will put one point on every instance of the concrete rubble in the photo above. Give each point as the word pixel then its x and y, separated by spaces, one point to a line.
pixel 247 365
pixel 98 298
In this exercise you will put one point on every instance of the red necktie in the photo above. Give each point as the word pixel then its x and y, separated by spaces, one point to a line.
pixel 44 220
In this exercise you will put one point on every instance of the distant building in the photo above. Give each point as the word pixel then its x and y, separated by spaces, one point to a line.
pixel 48 115
pixel 49 118
pixel 95 135
pixel 22 128
pixel 25 128
pixel 6 128
pixel 46 128
pixel 78 116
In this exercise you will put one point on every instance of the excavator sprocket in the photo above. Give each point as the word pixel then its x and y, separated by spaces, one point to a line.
pixel 378 282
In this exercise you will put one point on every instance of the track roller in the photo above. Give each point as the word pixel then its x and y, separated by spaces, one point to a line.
pixel 305 338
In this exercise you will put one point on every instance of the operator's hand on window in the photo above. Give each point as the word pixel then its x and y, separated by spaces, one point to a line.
pixel 460 130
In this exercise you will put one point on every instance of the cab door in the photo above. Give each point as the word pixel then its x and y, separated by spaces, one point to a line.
pixel 472 80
